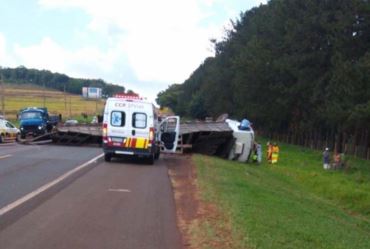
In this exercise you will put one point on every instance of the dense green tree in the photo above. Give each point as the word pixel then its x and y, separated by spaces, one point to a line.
pixel 292 67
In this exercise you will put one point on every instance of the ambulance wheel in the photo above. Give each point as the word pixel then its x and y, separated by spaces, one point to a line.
pixel 150 159
pixel 107 157
pixel 156 155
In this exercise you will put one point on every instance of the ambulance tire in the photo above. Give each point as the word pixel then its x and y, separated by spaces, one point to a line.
pixel 157 152
pixel 156 155
pixel 107 157
pixel 150 159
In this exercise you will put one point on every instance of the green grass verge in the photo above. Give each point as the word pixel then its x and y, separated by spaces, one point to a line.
pixel 295 204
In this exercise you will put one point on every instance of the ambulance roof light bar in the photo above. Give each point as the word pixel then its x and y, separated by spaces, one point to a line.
pixel 128 96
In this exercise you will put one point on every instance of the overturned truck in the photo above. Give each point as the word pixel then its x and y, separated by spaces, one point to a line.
pixel 224 139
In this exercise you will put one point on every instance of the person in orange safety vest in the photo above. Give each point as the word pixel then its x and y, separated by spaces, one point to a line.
pixel 269 152
pixel 275 153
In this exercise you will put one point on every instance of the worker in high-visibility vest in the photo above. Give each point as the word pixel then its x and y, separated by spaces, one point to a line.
pixel 269 152
pixel 275 153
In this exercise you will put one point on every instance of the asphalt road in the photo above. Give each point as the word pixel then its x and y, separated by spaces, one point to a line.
pixel 24 168
pixel 122 204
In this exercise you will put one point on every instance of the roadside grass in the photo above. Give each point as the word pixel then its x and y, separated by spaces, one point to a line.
pixel 69 105
pixel 294 204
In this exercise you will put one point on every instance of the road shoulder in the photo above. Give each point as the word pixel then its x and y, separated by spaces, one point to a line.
pixel 196 217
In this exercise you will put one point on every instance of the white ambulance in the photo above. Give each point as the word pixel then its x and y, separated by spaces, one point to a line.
pixel 131 127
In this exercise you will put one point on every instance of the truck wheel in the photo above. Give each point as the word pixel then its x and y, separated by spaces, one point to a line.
pixel 107 157
pixel 2 139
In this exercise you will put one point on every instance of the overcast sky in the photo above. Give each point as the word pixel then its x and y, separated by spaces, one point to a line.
pixel 144 45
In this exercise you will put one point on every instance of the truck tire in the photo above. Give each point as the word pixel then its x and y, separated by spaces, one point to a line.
pixel 107 157
pixel 2 138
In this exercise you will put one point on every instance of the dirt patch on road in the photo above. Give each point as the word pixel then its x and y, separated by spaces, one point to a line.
pixel 201 224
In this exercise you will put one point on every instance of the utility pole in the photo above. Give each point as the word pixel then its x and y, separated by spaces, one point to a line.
pixel 44 94
pixel 70 106
pixel 2 92
pixel 65 99
pixel 96 105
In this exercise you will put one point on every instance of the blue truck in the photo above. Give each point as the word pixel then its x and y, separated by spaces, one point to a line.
pixel 36 121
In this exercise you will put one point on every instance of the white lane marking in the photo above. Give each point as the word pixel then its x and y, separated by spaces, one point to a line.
pixel 119 190
pixel 5 156
pixel 31 195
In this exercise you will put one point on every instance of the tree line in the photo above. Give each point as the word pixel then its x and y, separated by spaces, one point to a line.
pixel 299 70
pixel 57 81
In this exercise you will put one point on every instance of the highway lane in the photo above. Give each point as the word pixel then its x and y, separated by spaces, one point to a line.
pixel 114 205
pixel 24 168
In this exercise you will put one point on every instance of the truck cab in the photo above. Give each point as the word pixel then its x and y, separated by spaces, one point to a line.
pixel 34 121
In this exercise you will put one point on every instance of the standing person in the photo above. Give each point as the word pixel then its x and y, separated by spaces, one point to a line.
pixel 269 152
pixel 326 158
pixel 259 152
pixel 275 153
pixel 336 159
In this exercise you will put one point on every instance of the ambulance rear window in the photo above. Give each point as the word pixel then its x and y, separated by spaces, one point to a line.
pixel 118 119
pixel 139 120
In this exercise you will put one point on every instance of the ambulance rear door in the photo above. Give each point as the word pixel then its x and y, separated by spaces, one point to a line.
pixel 119 119
pixel 141 124
pixel 169 133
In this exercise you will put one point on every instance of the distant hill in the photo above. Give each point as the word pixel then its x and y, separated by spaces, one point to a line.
pixel 57 81
pixel 68 105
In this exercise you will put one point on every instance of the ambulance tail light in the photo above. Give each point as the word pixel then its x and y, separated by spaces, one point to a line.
pixel 151 134
pixel 105 133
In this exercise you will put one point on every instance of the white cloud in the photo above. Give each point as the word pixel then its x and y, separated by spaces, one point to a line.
pixel 129 14
pixel 48 54
pixel 6 60
pixel 161 41
pixel 2 47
